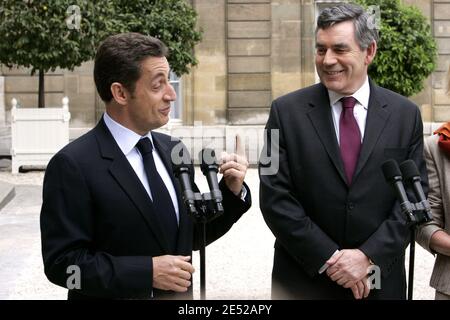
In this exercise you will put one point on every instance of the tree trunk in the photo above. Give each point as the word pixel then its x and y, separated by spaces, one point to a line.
pixel 41 90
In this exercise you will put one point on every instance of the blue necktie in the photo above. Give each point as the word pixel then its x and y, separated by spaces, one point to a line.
pixel 162 202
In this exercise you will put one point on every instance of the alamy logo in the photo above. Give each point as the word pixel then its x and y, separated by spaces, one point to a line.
pixel 374 19
pixel 73 20
pixel 374 277
pixel 74 280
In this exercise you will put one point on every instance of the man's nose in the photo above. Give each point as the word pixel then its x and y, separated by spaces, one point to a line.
pixel 170 94
pixel 329 58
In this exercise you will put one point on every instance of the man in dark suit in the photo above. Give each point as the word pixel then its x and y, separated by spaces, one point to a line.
pixel 112 208
pixel 332 213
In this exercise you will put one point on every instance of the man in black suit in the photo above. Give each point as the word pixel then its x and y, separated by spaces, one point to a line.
pixel 329 207
pixel 112 208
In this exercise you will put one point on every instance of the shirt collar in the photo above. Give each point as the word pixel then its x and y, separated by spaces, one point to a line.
pixel 125 138
pixel 361 95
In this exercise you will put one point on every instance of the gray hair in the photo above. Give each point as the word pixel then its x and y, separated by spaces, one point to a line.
pixel 364 33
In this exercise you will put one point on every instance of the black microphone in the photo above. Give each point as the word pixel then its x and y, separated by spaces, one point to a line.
pixel 182 172
pixel 209 167
pixel 393 175
pixel 412 176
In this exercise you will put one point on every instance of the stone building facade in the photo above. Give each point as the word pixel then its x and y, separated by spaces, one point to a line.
pixel 252 52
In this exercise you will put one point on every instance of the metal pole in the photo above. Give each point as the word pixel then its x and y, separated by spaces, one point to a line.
pixel 202 262
pixel 411 262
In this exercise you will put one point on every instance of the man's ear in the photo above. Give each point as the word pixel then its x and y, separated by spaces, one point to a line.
pixel 120 93
pixel 371 51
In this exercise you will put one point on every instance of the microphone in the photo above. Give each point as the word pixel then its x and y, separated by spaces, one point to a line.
pixel 393 175
pixel 412 176
pixel 209 167
pixel 182 172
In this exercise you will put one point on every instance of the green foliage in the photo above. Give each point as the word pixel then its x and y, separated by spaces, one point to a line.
pixel 406 50
pixel 172 21
pixel 35 33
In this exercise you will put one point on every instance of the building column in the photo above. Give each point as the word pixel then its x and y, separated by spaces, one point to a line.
pixel 249 61
pixel 2 100
pixel 441 31
pixel 205 96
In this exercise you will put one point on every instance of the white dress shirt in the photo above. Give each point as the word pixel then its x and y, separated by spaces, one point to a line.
pixel 126 140
pixel 362 96
pixel 360 110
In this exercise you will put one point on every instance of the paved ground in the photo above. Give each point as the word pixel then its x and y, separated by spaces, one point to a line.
pixel 238 264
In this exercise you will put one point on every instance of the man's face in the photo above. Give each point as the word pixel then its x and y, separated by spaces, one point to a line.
pixel 340 62
pixel 149 106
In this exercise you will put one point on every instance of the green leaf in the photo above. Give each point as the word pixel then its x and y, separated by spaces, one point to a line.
pixel 407 51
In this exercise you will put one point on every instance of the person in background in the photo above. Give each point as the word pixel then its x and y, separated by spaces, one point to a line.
pixel 435 235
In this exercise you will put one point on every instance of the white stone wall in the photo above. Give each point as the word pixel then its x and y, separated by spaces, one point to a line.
pixel 2 100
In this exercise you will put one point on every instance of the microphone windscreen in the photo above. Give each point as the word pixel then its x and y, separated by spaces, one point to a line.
pixel 181 161
pixel 390 169
pixel 409 169
pixel 207 158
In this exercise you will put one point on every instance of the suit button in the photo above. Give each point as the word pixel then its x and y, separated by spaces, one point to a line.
pixel 350 206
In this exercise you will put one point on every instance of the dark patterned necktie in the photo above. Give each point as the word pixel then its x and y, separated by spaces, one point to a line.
pixel 349 137
pixel 162 202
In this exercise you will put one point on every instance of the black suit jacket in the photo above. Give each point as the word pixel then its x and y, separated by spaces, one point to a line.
pixel 309 206
pixel 97 215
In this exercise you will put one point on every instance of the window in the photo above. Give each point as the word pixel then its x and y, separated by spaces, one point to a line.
pixel 176 112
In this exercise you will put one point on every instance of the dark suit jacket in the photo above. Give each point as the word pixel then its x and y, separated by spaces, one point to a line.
pixel 309 206
pixel 97 215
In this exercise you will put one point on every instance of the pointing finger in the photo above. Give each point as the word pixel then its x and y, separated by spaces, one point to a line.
pixel 239 149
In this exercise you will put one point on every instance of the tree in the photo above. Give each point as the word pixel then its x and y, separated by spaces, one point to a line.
pixel 172 21
pixel 48 34
pixel 45 35
pixel 407 51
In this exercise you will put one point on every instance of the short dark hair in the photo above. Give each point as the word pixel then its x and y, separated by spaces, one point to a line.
pixel 119 58
pixel 364 33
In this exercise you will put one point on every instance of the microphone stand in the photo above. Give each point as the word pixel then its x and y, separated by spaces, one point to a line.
pixel 205 209
pixel 412 250
pixel 415 214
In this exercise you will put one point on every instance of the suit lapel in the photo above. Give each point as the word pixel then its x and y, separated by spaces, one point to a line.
pixel 377 117
pixel 183 231
pixel 321 118
pixel 125 176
